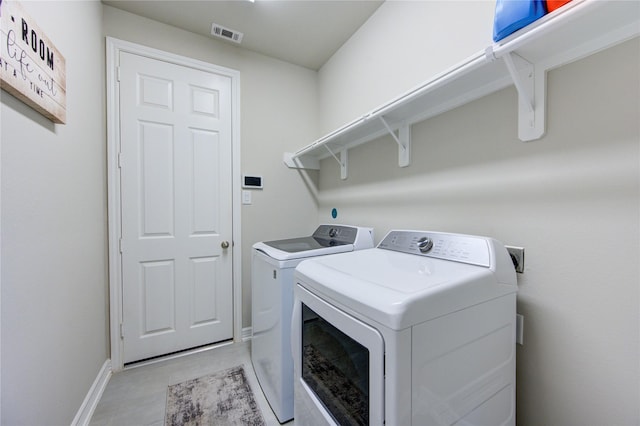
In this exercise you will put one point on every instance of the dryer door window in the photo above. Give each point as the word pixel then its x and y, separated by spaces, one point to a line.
pixel 336 368
pixel 341 363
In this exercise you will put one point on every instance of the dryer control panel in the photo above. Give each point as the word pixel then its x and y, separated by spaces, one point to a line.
pixel 454 247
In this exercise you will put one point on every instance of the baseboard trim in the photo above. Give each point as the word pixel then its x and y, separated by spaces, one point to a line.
pixel 247 332
pixel 83 417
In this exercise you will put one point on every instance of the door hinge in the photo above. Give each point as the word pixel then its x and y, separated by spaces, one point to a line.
pixel 118 73
pixel 119 160
pixel 121 331
pixel 120 245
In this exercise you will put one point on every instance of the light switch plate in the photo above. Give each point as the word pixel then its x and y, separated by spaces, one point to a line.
pixel 246 197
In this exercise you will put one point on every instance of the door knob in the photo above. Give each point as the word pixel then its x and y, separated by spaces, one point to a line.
pixel 224 244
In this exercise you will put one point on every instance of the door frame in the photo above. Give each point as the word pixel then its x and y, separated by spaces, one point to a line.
pixel 113 48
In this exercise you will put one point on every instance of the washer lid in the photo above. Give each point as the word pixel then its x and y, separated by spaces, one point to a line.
pixel 296 245
pixel 326 239
pixel 298 248
pixel 398 289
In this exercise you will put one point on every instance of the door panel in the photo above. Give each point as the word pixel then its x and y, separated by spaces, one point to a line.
pixel 158 288
pixel 176 207
pixel 206 149
pixel 205 311
pixel 156 179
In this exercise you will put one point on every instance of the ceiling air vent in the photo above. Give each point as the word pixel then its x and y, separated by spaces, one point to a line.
pixel 226 33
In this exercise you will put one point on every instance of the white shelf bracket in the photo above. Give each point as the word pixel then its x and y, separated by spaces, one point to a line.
pixel 531 85
pixel 342 161
pixel 302 162
pixel 403 139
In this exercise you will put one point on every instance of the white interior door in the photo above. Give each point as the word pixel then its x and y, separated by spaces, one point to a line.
pixel 176 207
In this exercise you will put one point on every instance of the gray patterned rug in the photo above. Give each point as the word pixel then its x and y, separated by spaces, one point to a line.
pixel 222 398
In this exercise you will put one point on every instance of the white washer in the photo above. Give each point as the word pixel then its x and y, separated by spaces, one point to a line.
pixel 272 267
pixel 418 331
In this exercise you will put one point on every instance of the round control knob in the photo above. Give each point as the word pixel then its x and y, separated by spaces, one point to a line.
pixel 333 232
pixel 425 244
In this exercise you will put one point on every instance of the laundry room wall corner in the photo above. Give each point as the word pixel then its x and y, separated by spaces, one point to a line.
pixel 403 44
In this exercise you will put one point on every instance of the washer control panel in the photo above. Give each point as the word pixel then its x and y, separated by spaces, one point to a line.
pixel 338 233
pixel 455 247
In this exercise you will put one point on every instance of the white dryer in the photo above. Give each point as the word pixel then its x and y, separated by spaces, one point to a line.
pixel 272 267
pixel 417 331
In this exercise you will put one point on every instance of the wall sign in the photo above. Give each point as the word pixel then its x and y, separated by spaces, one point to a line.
pixel 31 68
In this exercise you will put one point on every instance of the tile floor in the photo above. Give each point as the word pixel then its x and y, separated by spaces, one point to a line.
pixel 137 396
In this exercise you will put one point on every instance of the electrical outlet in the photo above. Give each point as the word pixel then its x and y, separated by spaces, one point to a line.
pixel 517 257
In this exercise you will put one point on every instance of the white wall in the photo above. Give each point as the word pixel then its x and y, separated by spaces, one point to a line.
pixel 278 114
pixel 403 44
pixel 54 273
pixel 572 199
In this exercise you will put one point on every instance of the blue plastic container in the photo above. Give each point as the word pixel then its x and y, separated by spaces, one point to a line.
pixel 511 15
